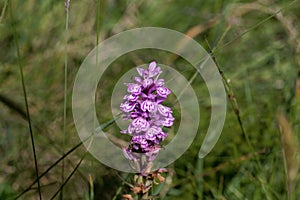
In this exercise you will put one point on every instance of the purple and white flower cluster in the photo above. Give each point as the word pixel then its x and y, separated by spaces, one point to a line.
pixel 143 105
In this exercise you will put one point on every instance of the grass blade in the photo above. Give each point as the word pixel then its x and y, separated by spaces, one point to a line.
pixel 68 178
pixel 67 5
pixel 25 99
pixel 48 169
pixel 255 26
pixel 3 11
pixel 104 125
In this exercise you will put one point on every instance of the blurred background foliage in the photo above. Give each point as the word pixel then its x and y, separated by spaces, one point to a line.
pixel 256 45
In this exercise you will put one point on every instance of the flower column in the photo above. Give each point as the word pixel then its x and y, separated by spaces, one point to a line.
pixel 143 105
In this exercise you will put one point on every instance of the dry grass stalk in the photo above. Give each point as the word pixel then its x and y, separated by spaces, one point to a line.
pixel 290 152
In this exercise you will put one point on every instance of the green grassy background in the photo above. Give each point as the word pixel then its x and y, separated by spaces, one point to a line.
pixel 256 47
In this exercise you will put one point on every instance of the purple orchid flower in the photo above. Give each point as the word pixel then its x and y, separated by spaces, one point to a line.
pixel 143 105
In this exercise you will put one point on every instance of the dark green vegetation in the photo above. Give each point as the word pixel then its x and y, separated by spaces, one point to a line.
pixel 257 49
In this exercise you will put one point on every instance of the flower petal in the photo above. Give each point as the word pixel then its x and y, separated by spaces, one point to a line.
pixel 152 66
pixel 140 123
pixel 127 106
pixel 163 91
pixel 134 88
pixel 149 106
pixel 164 110
pixel 147 82
pixel 140 71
